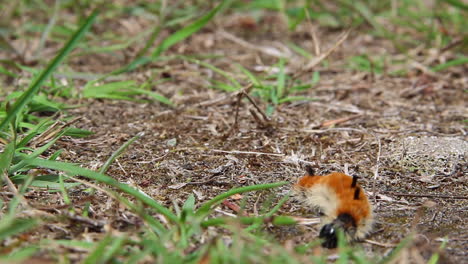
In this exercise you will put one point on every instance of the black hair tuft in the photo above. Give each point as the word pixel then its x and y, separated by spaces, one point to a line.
pixel 356 193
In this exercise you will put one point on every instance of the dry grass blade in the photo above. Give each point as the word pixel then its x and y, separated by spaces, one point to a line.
pixel 313 33
pixel 11 186
pixel 252 101
pixel 315 61
pixel 334 122
pixel 52 132
pixel 380 244
pixel 270 51
pixel 248 152
pixel 306 221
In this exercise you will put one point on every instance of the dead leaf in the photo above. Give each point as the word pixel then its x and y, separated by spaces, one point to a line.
pixel 236 196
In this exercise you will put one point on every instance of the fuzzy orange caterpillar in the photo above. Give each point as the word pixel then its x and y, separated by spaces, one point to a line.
pixel 342 201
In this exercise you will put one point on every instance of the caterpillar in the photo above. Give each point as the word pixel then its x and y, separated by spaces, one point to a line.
pixel 341 200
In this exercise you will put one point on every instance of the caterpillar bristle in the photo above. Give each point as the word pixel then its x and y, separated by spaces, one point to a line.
pixel 310 171
pixel 353 184
pixel 356 193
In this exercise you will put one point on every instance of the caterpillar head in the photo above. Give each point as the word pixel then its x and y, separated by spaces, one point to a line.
pixel 329 232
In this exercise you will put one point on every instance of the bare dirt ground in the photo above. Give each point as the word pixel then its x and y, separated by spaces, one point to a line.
pixel 358 121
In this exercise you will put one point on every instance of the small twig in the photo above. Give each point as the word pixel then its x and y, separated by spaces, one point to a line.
pixel 451 45
pixel 236 117
pixel 248 152
pixel 85 220
pixel 442 196
pixel 372 242
pixel 265 118
pixel 120 166
pixel 315 61
pixel 257 118
pixel 224 212
pixel 244 92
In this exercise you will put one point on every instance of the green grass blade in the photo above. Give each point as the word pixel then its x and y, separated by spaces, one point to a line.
pixel 7 156
pixel 10 228
pixel 223 86
pixel 251 76
pixel 436 256
pixel 35 131
pixel 217 70
pixel 156 96
pixel 109 161
pixel 189 207
pixel 456 3
pixel 75 170
pixel 299 50
pixel 277 206
pixel 114 248
pixel 35 86
pixel 277 220
pixel 150 220
pixel 137 257
pixel 451 63
pixel 35 154
pixel 187 31
pixel 19 255
pixel 120 90
pixel 175 38
pixel 66 198
pixel 114 90
pixel 205 208
pixel 281 80
pixel 397 250
pixel 50 185
pixel 77 132
pixel 268 215
pixel 4 71
pixel 118 152
pixel 96 255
